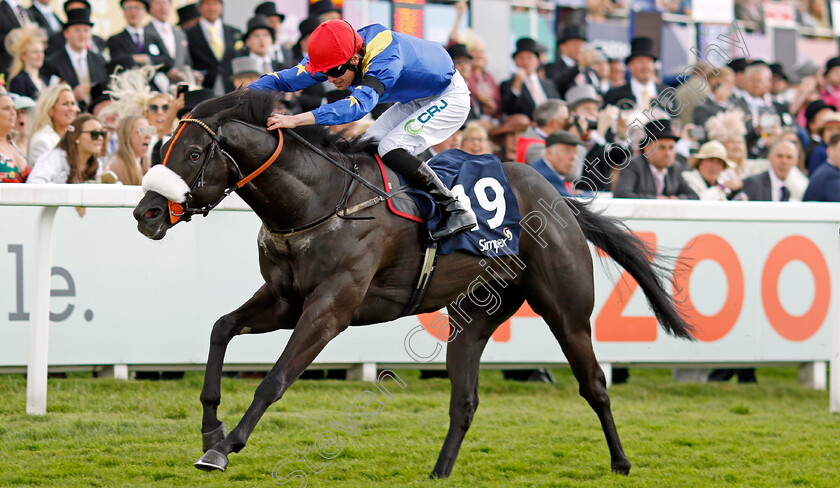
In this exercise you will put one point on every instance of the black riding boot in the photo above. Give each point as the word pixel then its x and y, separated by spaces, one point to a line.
pixel 419 175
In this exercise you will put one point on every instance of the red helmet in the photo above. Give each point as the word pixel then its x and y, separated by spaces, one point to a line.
pixel 332 44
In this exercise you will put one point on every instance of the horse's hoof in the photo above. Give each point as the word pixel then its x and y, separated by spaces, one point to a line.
pixel 212 460
pixel 621 467
pixel 213 437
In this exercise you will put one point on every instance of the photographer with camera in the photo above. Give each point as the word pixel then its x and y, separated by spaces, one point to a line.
pixel 596 127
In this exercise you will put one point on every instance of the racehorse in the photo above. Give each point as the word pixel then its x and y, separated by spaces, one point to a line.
pixel 324 273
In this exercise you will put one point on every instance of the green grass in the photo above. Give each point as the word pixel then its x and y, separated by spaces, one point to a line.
pixel 115 433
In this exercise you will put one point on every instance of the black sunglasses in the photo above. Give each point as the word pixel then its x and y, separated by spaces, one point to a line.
pixel 158 108
pixel 338 71
pixel 95 134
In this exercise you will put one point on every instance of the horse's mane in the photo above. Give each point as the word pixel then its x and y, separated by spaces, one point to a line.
pixel 255 106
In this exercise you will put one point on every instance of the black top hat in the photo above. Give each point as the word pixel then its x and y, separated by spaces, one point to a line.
pixel 187 13
pixel 193 98
pixel 778 70
pixel 307 26
pixel 322 7
pixel 459 51
pixel 814 107
pixel 526 44
pixel 97 96
pixel 572 32
pixel 641 46
pixel 78 16
pixel 144 2
pixel 68 2
pixel 269 9
pixel 258 22
pixel 832 63
pixel 737 65
pixel 665 132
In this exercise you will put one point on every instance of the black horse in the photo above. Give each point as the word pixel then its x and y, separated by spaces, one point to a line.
pixel 337 272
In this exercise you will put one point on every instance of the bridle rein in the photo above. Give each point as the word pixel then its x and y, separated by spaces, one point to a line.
pixel 177 211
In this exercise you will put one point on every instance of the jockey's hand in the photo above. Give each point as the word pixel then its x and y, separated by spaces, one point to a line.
pixel 280 121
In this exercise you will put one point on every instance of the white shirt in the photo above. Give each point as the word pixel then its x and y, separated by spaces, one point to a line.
pixel 48 14
pixel 52 167
pixel 164 30
pixel 776 186
pixel 658 178
pixel 570 63
pixel 264 61
pixel 639 89
pixel 80 65
pixel 135 32
pixel 756 103
pixel 535 88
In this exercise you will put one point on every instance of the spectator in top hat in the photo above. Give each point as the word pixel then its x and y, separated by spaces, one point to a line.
pixel 779 86
pixel 324 10
pixel 566 67
pixel 173 43
pixel 655 172
pixel 135 46
pixel 642 88
pixel 12 16
pixel 42 14
pixel 78 66
pixel 522 93
pixel 213 46
pixel 830 92
pixel 259 44
pixel 188 16
pixel 281 53
pixel 738 65
pixel 56 41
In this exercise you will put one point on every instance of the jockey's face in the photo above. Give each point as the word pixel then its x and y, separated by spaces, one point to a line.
pixel 343 82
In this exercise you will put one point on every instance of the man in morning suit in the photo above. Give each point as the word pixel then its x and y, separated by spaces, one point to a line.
pixel 522 93
pixel 75 63
pixel 134 46
pixel 212 47
pixel 642 88
pixel 565 68
pixel 173 40
pixel 42 14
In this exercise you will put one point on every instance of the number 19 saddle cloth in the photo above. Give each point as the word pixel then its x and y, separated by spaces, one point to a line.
pixel 481 184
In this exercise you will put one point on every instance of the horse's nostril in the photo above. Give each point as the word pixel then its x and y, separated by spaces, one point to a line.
pixel 152 213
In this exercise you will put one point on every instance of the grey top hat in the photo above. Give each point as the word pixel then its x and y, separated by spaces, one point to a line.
pixel 581 93
pixel 245 65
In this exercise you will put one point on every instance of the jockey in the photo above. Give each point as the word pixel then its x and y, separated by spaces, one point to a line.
pixel 379 65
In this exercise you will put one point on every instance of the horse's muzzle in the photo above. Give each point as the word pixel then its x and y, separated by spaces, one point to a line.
pixel 152 214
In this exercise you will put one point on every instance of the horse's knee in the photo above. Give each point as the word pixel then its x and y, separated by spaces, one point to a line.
pixel 595 393
pixel 222 330
pixel 270 390
pixel 462 412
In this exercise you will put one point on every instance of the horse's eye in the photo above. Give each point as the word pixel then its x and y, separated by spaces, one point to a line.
pixel 194 155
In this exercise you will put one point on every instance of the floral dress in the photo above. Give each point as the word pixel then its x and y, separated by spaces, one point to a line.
pixel 9 172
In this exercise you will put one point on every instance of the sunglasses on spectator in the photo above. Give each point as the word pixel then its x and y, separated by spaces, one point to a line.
pixel 159 108
pixel 146 131
pixel 95 134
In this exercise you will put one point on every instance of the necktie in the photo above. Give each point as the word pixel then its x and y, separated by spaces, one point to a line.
pixel 81 70
pixel 785 194
pixel 535 89
pixel 267 67
pixel 647 96
pixel 138 41
pixel 216 43
pixel 22 15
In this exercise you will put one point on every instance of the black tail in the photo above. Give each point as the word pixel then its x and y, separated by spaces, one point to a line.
pixel 614 238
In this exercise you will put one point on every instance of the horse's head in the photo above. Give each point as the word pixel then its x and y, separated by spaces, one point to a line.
pixel 193 178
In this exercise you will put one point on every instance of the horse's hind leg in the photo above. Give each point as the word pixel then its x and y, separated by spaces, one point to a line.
pixel 463 355
pixel 263 312
pixel 568 319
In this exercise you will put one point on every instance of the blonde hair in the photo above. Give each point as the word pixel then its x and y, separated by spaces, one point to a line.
pixel 726 125
pixel 46 101
pixel 125 153
pixel 475 127
pixel 18 42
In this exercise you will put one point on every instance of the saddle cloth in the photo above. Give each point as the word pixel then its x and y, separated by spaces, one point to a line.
pixel 481 184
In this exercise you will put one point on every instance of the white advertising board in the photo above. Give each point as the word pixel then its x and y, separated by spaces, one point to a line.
pixel 760 284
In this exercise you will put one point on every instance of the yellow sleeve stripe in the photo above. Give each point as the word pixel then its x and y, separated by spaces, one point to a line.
pixel 376 46
pixel 353 100
pixel 301 69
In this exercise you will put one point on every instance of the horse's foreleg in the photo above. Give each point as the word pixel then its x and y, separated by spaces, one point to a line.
pixel 321 321
pixel 263 312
